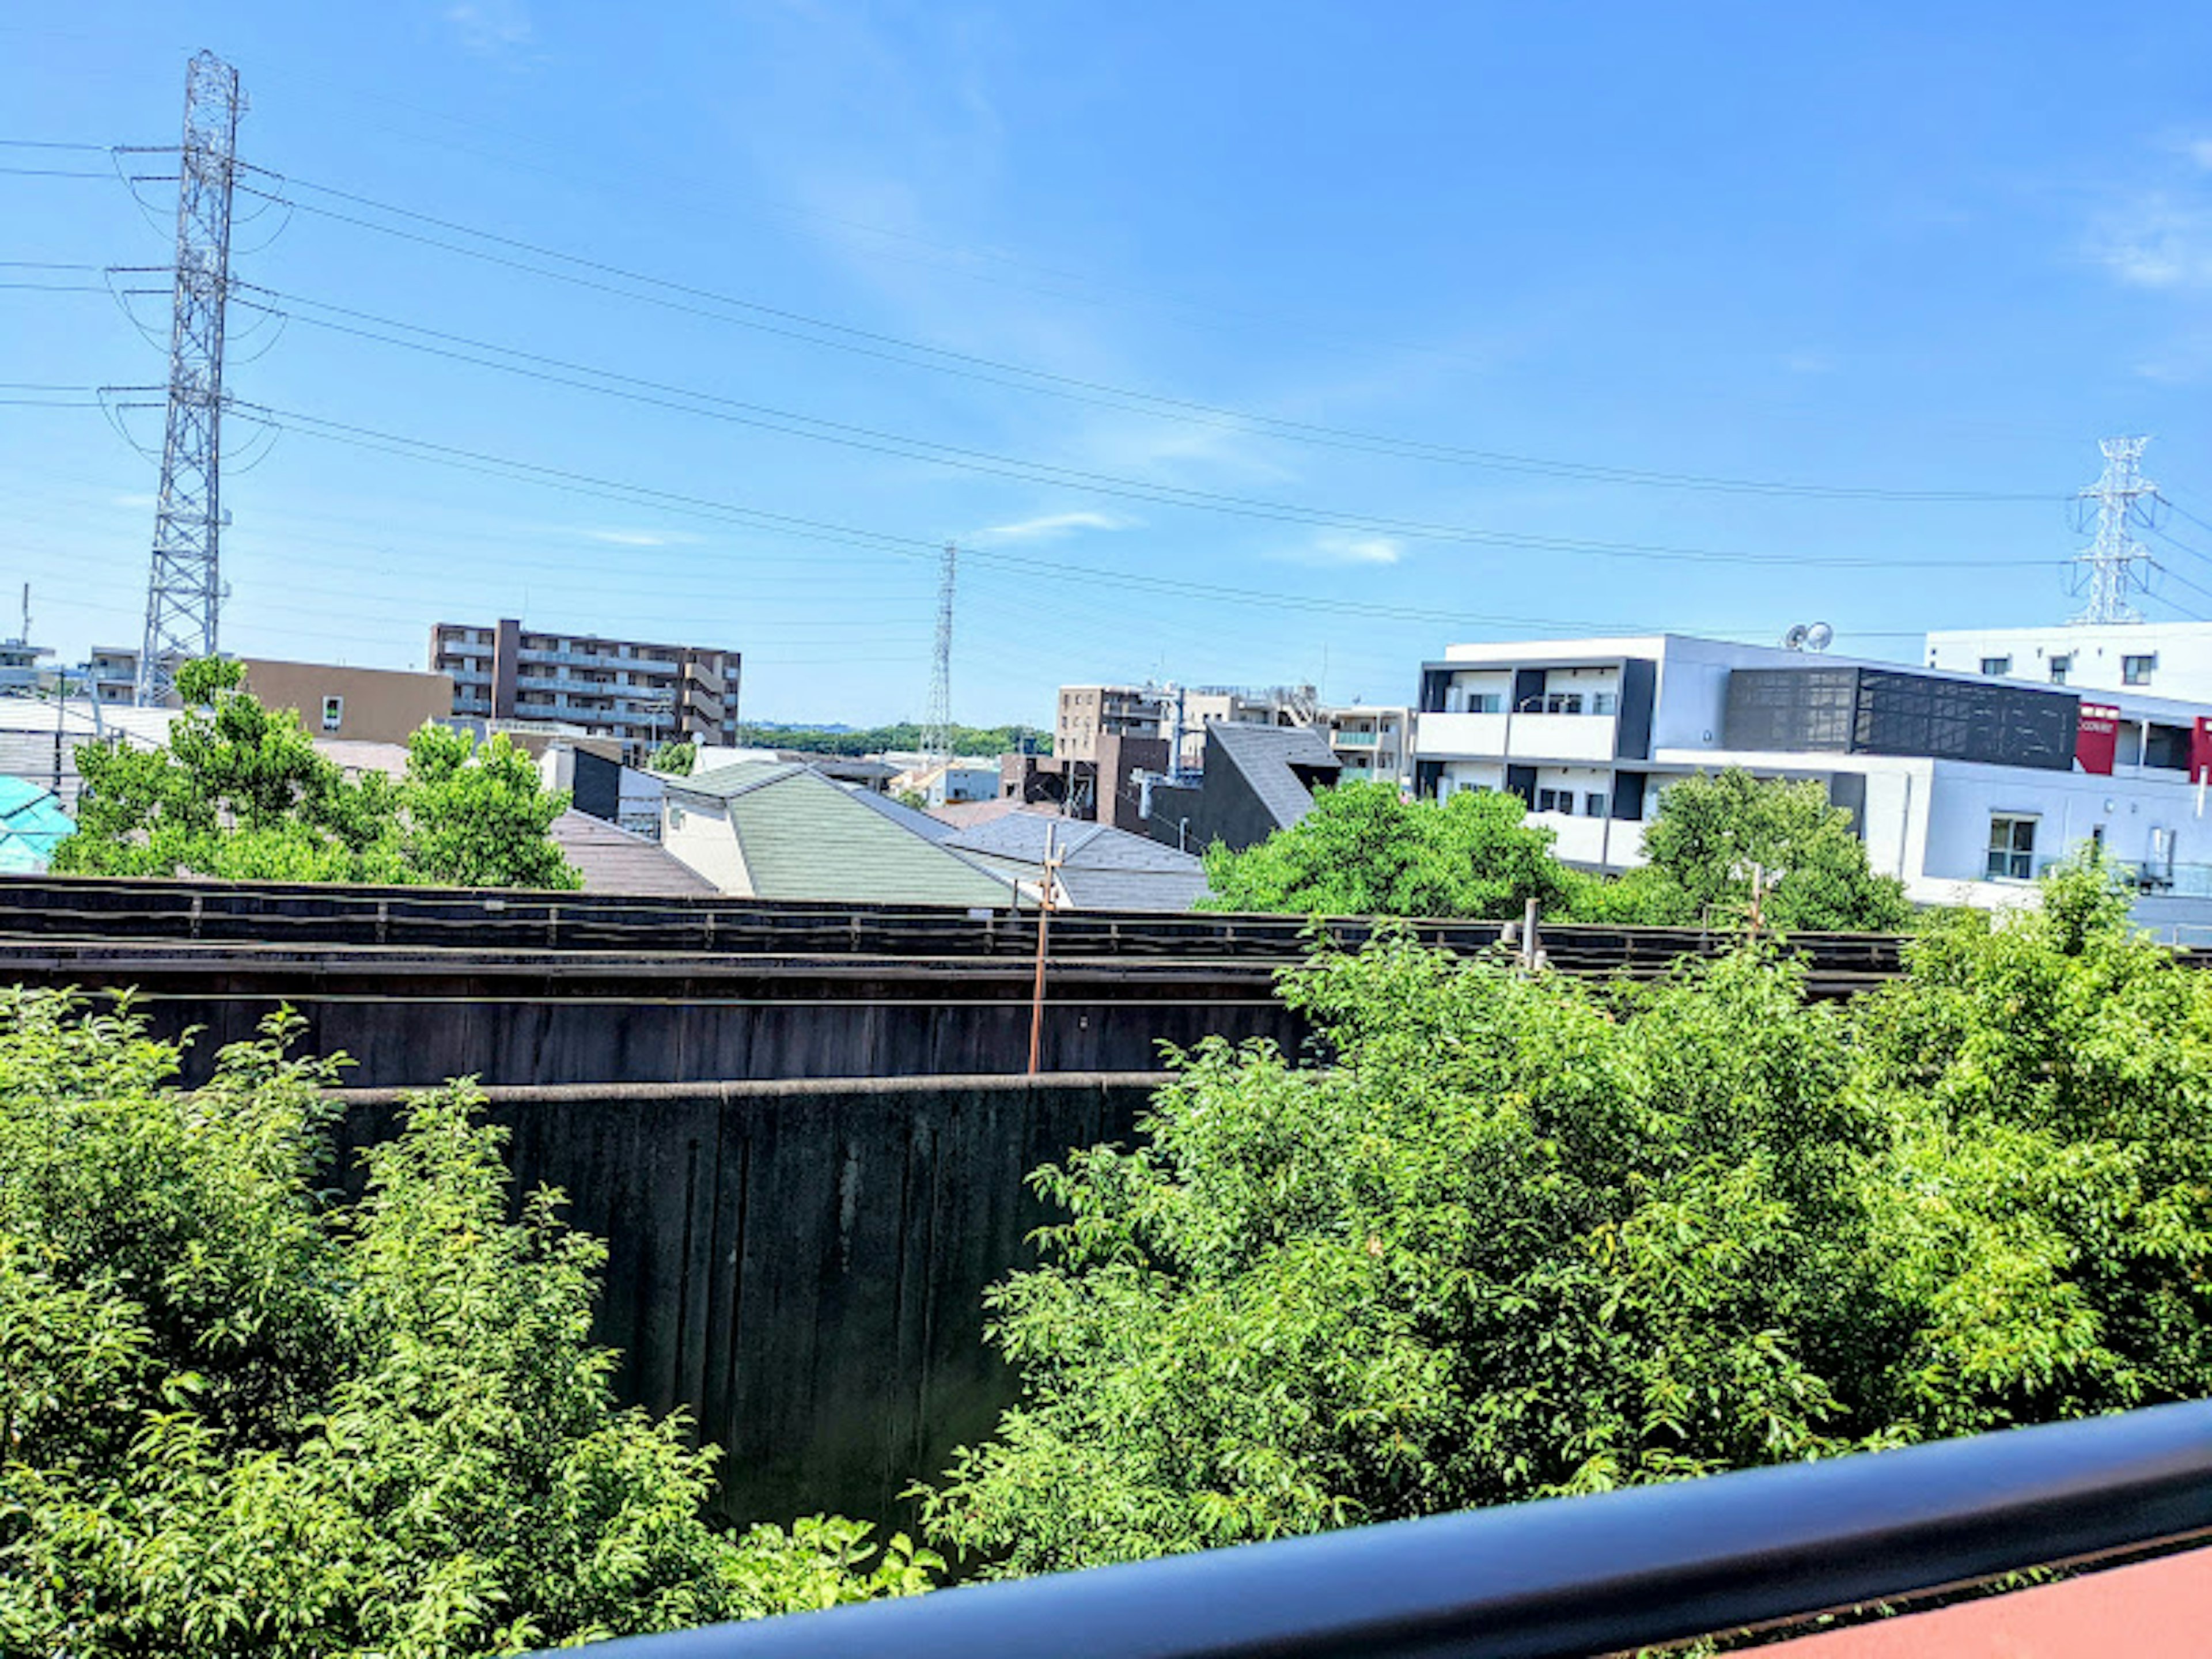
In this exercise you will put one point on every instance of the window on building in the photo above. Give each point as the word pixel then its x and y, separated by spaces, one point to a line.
pixel 1486 702
pixel 1562 703
pixel 1594 803
pixel 1996 666
pixel 2138 671
pixel 1556 801
pixel 2011 848
pixel 2061 666
pixel 1605 702
pixel 333 713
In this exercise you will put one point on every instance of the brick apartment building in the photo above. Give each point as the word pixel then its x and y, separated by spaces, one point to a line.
pixel 640 692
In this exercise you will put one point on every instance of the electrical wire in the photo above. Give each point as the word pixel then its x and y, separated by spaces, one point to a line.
pixel 688 400
pixel 920 354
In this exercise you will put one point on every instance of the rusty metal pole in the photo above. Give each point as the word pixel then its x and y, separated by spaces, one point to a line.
pixel 1044 926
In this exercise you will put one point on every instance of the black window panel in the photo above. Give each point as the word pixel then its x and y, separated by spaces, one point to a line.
pixel 2167 747
pixel 1872 711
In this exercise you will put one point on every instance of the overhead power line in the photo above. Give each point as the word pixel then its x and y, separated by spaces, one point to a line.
pixel 714 406
pixel 823 332
pixel 305 424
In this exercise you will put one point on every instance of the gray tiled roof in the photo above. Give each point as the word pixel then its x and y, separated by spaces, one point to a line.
pixel 1265 756
pixel 1101 867
pixel 613 861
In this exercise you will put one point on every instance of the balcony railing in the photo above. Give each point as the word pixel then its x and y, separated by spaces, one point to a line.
pixel 1577 1575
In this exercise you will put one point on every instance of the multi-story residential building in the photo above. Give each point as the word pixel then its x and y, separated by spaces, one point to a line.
pixel 1088 713
pixel 639 692
pixel 367 705
pixel 19 665
pixel 1373 744
pixel 112 670
pixel 1965 786
pixel 2170 659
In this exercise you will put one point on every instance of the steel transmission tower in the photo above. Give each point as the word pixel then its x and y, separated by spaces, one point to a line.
pixel 183 593
pixel 2111 505
pixel 936 723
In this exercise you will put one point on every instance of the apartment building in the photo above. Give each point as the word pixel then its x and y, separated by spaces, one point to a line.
pixel 1088 713
pixel 1372 746
pixel 641 693
pixel 2169 659
pixel 1965 786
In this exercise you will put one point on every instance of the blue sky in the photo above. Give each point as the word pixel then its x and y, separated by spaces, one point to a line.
pixel 1900 250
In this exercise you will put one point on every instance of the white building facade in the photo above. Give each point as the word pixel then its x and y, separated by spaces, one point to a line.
pixel 1374 744
pixel 1965 787
pixel 2161 659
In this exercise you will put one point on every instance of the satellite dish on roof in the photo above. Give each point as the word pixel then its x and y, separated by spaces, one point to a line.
pixel 1795 638
pixel 1819 637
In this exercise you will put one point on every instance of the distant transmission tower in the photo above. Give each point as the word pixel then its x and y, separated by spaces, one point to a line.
pixel 937 724
pixel 184 592
pixel 2117 499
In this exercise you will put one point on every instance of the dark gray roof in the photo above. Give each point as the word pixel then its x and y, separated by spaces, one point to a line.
pixel 1101 868
pixel 613 861
pixel 1264 755
pixel 1078 844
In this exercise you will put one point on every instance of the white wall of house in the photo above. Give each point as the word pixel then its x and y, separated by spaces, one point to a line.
pixel 2093 657
pixel 700 835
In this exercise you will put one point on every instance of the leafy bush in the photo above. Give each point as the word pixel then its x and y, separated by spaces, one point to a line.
pixel 242 1420
pixel 241 792
pixel 1364 851
pixel 1531 1234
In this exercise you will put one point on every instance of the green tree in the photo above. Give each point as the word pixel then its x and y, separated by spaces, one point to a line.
pixel 1529 1235
pixel 241 792
pixel 1363 850
pixel 240 1419
pixel 676 759
pixel 1713 833
pixel 474 815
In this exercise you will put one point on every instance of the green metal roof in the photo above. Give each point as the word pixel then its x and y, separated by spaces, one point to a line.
pixel 804 837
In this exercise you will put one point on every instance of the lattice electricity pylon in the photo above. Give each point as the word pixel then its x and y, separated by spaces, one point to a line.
pixel 184 590
pixel 2121 497
pixel 937 722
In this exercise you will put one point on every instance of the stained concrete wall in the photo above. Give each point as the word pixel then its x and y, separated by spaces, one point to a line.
pixel 801 1265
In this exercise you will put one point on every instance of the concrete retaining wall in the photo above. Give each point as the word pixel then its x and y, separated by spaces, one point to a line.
pixel 801 1265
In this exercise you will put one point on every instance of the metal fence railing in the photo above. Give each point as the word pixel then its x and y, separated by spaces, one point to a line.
pixel 1572 1575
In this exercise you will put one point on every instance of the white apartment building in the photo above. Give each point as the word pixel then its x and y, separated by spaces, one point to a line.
pixel 1088 713
pixel 1374 744
pixel 1963 784
pixel 2162 659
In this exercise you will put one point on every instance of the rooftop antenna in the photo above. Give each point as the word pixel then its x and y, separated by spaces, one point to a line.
pixel 2120 498
pixel 1795 638
pixel 1820 636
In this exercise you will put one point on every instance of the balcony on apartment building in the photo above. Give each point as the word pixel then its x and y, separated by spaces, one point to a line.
pixel 1570 725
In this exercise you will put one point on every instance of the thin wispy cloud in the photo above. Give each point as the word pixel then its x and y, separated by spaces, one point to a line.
pixel 640 537
pixel 2156 241
pixel 1052 526
pixel 1340 550
pixel 491 28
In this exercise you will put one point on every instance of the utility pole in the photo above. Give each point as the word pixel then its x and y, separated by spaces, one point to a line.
pixel 184 589
pixel 936 723
pixel 2111 505
pixel 1044 925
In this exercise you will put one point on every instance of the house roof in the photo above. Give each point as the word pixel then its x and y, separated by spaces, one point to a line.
pixel 32 823
pixel 1265 756
pixel 802 836
pixel 1101 867
pixel 614 861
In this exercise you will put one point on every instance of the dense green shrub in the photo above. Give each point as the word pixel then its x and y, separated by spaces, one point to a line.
pixel 241 1418
pixel 1531 1235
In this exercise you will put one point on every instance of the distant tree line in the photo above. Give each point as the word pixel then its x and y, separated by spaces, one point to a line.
pixel 906 735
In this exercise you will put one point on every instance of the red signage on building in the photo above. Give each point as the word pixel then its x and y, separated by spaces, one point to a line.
pixel 2200 750
pixel 2097 740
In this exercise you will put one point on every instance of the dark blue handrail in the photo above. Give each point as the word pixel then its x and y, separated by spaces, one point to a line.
pixel 1569 1576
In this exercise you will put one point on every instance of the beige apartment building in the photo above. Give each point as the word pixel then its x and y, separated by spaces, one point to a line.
pixel 364 705
pixel 641 693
